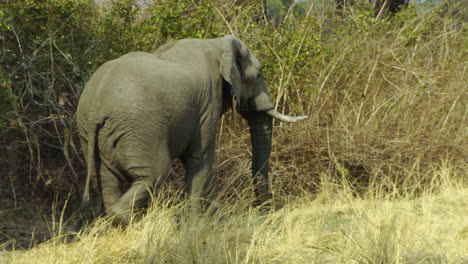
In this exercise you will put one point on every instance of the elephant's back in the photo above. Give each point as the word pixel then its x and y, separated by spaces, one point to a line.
pixel 139 92
pixel 130 81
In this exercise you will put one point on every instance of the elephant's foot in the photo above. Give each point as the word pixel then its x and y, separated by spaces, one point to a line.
pixel 264 202
pixel 119 218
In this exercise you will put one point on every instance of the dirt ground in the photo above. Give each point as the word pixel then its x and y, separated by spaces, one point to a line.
pixel 26 223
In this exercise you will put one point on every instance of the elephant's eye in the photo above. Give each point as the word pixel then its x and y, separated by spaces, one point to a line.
pixel 259 74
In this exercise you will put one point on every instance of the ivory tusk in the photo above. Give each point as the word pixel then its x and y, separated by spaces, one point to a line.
pixel 291 119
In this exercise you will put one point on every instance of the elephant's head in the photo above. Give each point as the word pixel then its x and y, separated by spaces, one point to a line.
pixel 243 74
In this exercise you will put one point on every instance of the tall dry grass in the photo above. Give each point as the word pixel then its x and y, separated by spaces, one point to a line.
pixel 332 227
pixel 386 99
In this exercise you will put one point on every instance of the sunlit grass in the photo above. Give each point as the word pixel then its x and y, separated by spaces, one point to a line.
pixel 329 227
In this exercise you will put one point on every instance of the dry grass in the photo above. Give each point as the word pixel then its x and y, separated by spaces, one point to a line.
pixel 330 227
pixel 386 101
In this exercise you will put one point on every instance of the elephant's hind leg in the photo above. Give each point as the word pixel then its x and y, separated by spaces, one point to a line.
pixel 110 186
pixel 148 171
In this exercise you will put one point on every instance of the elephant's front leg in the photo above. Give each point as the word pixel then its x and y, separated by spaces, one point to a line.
pixel 199 180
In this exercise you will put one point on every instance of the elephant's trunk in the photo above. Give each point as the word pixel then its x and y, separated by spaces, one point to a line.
pixel 261 130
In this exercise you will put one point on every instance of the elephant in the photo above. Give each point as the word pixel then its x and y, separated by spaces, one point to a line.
pixel 141 111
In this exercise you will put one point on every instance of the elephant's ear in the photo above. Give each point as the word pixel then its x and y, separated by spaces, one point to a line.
pixel 229 65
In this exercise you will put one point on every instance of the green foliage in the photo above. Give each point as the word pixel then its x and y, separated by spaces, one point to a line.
pixel 7 102
pixel 44 60
pixel 170 20
pixel 126 26
pixel 3 26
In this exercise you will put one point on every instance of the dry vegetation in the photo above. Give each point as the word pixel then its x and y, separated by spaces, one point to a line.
pixel 332 227
pixel 377 174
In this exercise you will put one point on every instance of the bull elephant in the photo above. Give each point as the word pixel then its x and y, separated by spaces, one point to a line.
pixel 141 111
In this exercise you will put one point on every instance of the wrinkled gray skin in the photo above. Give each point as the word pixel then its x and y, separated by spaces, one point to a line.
pixel 141 111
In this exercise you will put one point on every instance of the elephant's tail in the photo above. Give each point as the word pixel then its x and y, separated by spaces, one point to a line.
pixel 91 172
